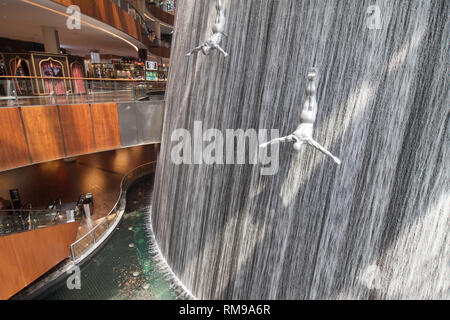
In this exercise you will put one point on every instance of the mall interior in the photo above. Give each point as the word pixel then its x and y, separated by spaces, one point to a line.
pixel 93 205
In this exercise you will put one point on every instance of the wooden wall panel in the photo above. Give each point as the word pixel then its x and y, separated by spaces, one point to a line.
pixel 24 257
pixel 105 119
pixel 13 147
pixel 43 131
pixel 77 129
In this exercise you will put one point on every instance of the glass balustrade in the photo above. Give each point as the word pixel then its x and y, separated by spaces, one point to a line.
pixel 16 221
pixel 26 91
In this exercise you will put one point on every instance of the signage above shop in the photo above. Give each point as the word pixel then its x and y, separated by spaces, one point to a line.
pixel 151 65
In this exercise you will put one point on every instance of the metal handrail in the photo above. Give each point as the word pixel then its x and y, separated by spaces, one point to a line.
pixel 31 219
pixel 153 18
pixel 72 78
pixel 113 210
pixel 28 210
pixel 95 89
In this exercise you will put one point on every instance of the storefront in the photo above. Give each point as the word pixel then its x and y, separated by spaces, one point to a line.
pixel 38 73
pixel 153 69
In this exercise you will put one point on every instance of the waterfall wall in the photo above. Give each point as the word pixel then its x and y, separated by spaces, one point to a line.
pixel 375 227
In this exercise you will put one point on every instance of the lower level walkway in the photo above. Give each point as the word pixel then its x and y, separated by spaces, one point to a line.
pixel 99 174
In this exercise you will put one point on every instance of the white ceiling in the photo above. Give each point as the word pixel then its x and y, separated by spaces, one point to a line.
pixel 22 21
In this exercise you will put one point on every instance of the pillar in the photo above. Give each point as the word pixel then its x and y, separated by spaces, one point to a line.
pixel 51 39
pixel 157 29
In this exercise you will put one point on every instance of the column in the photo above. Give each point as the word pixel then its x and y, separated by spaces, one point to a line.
pixel 157 30
pixel 51 39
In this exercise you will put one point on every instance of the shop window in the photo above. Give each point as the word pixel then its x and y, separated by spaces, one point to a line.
pixel 53 69
pixel 21 68
pixel 77 72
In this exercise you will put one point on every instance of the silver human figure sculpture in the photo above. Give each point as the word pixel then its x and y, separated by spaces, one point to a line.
pixel 304 132
pixel 219 31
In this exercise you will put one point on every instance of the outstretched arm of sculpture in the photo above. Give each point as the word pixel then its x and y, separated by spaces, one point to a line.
pixel 279 140
pixel 317 145
pixel 222 51
pixel 195 50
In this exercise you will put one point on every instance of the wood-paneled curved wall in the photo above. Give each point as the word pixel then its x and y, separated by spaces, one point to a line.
pixel 37 134
pixel 26 256
pixel 43 133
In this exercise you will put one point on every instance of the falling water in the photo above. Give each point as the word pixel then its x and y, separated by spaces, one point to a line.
pixel 375 227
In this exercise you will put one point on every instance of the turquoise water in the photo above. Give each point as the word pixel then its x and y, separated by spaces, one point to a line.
pixel 109 275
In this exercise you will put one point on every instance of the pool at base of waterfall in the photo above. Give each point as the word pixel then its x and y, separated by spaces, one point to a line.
pixel 121 271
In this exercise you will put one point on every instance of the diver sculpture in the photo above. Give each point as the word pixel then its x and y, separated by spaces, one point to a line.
pixel 219 31
pixel 304 133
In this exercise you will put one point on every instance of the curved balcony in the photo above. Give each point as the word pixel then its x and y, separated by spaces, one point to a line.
pixel 112 114
pixel 127 19
pixel 161 15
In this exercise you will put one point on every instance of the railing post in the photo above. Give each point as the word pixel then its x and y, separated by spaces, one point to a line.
pixel 93 236
pixel 72 252
pixel 133 92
